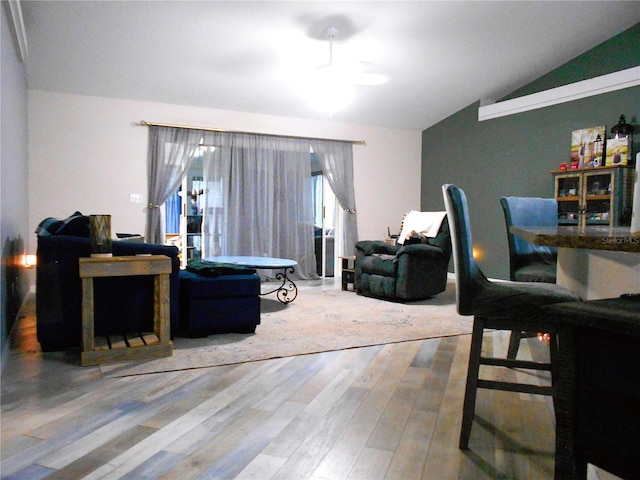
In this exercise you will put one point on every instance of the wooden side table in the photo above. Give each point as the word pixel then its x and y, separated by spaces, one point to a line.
pixel 134 345
pixel 348 271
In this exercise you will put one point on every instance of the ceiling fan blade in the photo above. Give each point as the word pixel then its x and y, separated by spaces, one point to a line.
pixel 372 79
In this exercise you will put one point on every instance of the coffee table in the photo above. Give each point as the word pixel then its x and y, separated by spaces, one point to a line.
pixel 286 292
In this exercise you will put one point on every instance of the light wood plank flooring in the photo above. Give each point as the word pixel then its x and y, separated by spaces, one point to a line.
pixel 389 411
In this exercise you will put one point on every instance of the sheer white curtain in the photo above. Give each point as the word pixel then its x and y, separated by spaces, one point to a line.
pixel 259 198
pixel 336 162
pixel 170 153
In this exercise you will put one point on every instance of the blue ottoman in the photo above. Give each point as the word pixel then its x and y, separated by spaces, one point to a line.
pixel 222 304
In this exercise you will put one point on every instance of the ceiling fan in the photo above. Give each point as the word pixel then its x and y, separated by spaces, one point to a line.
pixel 352 72
pixel 331 87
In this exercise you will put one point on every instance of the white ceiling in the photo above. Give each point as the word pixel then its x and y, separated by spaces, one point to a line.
pixel 238 55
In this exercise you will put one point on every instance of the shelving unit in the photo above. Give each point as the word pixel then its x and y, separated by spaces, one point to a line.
pixel 194 236
pixel 594 196
pixel 348 271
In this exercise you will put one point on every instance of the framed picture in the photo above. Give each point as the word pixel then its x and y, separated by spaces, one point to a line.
pixel 618 150
pixel 588 146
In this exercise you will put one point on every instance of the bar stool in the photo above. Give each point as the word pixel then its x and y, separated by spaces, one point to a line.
pixel 529 262
pixel 512 306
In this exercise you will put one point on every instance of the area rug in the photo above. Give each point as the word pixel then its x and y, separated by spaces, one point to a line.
pixel 320 319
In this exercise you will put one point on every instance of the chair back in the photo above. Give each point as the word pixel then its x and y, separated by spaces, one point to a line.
pixel 529 212
pixel 468 275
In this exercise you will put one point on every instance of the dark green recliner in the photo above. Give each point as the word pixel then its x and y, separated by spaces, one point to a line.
pixel 413 271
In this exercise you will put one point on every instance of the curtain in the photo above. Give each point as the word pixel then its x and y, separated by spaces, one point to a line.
pixel 262 203
pixel 170 153
pixel 336 161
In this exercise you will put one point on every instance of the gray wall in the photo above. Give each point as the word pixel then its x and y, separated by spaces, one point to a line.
pixel 513 155
pixel 13 181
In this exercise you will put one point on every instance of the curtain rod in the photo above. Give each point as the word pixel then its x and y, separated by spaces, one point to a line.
pixel 144 123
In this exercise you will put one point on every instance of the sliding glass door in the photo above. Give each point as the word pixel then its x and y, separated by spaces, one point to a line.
pixel 326 224
pixel 184 212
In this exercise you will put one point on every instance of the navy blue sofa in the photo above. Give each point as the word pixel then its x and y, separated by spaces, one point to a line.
pixel 123 304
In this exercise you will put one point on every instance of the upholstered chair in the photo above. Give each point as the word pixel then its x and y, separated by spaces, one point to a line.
pixel 529 262
pixel 414 270
pixel 511 306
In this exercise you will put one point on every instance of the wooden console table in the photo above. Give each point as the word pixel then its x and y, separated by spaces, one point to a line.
pixel 129 346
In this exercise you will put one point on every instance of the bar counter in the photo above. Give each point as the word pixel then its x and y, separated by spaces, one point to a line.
pixel 618 239
pixel 594 261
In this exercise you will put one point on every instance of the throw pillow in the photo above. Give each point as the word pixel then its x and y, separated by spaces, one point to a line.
pixel 48 226
pixel 77 225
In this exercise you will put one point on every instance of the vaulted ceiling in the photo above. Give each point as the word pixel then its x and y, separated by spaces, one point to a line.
pixel 250 56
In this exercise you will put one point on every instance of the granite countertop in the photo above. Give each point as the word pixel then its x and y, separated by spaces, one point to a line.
pixel 617 239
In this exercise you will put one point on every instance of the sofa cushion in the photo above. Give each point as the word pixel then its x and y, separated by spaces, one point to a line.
pixel 380 264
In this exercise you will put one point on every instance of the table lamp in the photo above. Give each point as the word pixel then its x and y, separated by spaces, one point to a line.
pixel 100 235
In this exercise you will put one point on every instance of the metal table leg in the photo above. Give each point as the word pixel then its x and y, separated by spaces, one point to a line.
pixel 287 291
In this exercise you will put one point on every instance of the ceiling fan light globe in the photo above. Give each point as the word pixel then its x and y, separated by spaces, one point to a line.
pixel 372 79
pixel 330 96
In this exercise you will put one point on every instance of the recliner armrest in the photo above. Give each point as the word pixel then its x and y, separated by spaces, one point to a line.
pixel 423 250
pixel 369 247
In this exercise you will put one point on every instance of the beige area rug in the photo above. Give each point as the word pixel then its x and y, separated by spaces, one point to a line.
pixel 320 319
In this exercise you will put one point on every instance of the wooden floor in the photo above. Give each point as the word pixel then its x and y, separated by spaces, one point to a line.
pixel 389 411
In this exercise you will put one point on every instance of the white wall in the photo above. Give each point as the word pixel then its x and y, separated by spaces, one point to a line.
pixel 86 154
pixel 14 230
